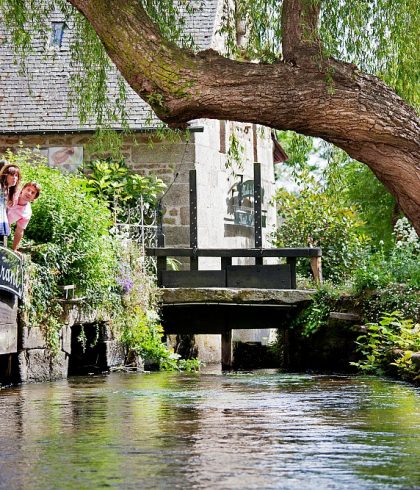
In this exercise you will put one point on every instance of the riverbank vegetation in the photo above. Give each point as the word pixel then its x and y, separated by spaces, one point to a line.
pixel 72 239
pixel 371 253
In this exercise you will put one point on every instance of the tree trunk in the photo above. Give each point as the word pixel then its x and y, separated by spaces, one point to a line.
pixel 311 95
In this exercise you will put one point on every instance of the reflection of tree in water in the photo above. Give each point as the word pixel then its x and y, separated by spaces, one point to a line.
pixel 171 430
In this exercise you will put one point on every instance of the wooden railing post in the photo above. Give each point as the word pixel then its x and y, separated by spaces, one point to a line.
pixel 160 267
pixel 225 262
pixel 316 266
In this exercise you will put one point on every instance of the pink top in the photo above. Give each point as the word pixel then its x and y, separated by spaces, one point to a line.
pixel 19 215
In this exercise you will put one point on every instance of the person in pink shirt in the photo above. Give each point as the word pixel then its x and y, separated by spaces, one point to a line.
pixel 21 212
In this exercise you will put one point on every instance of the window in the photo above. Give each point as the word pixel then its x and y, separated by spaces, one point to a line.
pixel 57 31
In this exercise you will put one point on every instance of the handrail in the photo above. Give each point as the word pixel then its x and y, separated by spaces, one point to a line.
pixel 233 252
pixel 226 255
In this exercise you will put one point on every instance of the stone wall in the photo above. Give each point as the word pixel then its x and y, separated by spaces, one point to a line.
pixel 8 323
pixel 26 354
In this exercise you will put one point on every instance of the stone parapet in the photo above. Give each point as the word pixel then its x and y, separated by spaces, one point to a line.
pixel 231 295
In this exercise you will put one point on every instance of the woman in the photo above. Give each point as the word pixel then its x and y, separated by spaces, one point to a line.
pixel 9 182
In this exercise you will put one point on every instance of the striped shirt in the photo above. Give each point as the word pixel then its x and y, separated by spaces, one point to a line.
pixel 4 223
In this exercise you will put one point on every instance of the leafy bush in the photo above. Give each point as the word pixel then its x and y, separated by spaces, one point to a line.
pixel 122 188
pixel 69 230
pixel 140 330
pixel 399 265
pixel 69 243
pixel 316 315
pixel 390 298
pixel 391 341
pixel 314 218
pixel 356 185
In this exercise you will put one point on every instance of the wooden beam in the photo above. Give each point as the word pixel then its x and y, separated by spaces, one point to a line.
pixel 292 263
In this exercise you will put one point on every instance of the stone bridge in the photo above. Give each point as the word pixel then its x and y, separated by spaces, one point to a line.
pixel 221 310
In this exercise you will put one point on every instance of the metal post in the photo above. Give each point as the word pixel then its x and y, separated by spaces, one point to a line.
pixel 193 218
pixel 257 210
pixel 159 218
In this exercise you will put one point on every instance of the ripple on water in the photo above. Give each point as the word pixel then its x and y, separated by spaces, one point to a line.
pixel 262 430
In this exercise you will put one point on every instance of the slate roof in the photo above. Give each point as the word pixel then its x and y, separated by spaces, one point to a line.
pixel 39 103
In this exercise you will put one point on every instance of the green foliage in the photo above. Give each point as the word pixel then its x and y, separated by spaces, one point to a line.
pixel 356 185
pixel 390 297
pixel 347 181
pixel 393 338
pixel 314 218
pixel 311 319
pixel 122 188
pixel 400 264
pixel 380 37
pixel 299 149
pixel 263 34
pixel 170 16
pixel 69 229
pixel 138 322
pixel 69 244
pixel 91 90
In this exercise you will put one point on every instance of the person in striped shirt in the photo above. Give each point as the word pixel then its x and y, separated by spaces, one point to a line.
pixel 9 182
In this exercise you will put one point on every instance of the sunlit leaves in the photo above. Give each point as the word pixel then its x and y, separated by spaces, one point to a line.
pixel 298 148
pixel 261 21
pixel 311 217
pixel 379 36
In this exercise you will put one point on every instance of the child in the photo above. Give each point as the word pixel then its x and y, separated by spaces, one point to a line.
pixel 21 212
pixel 9 181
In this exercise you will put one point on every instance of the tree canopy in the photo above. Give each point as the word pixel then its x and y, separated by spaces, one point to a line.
pixel 343 71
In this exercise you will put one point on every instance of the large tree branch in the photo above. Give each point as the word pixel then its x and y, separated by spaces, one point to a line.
pixel 300 38
pixel 331 100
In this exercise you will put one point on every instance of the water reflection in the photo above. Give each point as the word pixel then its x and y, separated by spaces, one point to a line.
pixel 250 430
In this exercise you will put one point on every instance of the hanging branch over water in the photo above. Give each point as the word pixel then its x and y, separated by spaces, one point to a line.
pixel 307 90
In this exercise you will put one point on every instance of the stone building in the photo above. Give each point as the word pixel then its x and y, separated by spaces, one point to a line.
pixel 35 112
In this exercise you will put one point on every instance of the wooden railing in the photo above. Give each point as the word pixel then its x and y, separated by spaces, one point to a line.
pixel 260 275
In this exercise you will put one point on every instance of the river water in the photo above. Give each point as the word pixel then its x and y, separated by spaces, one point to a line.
pixel 259 430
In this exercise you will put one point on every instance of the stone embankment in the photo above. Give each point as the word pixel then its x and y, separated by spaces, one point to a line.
pixel 28 353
